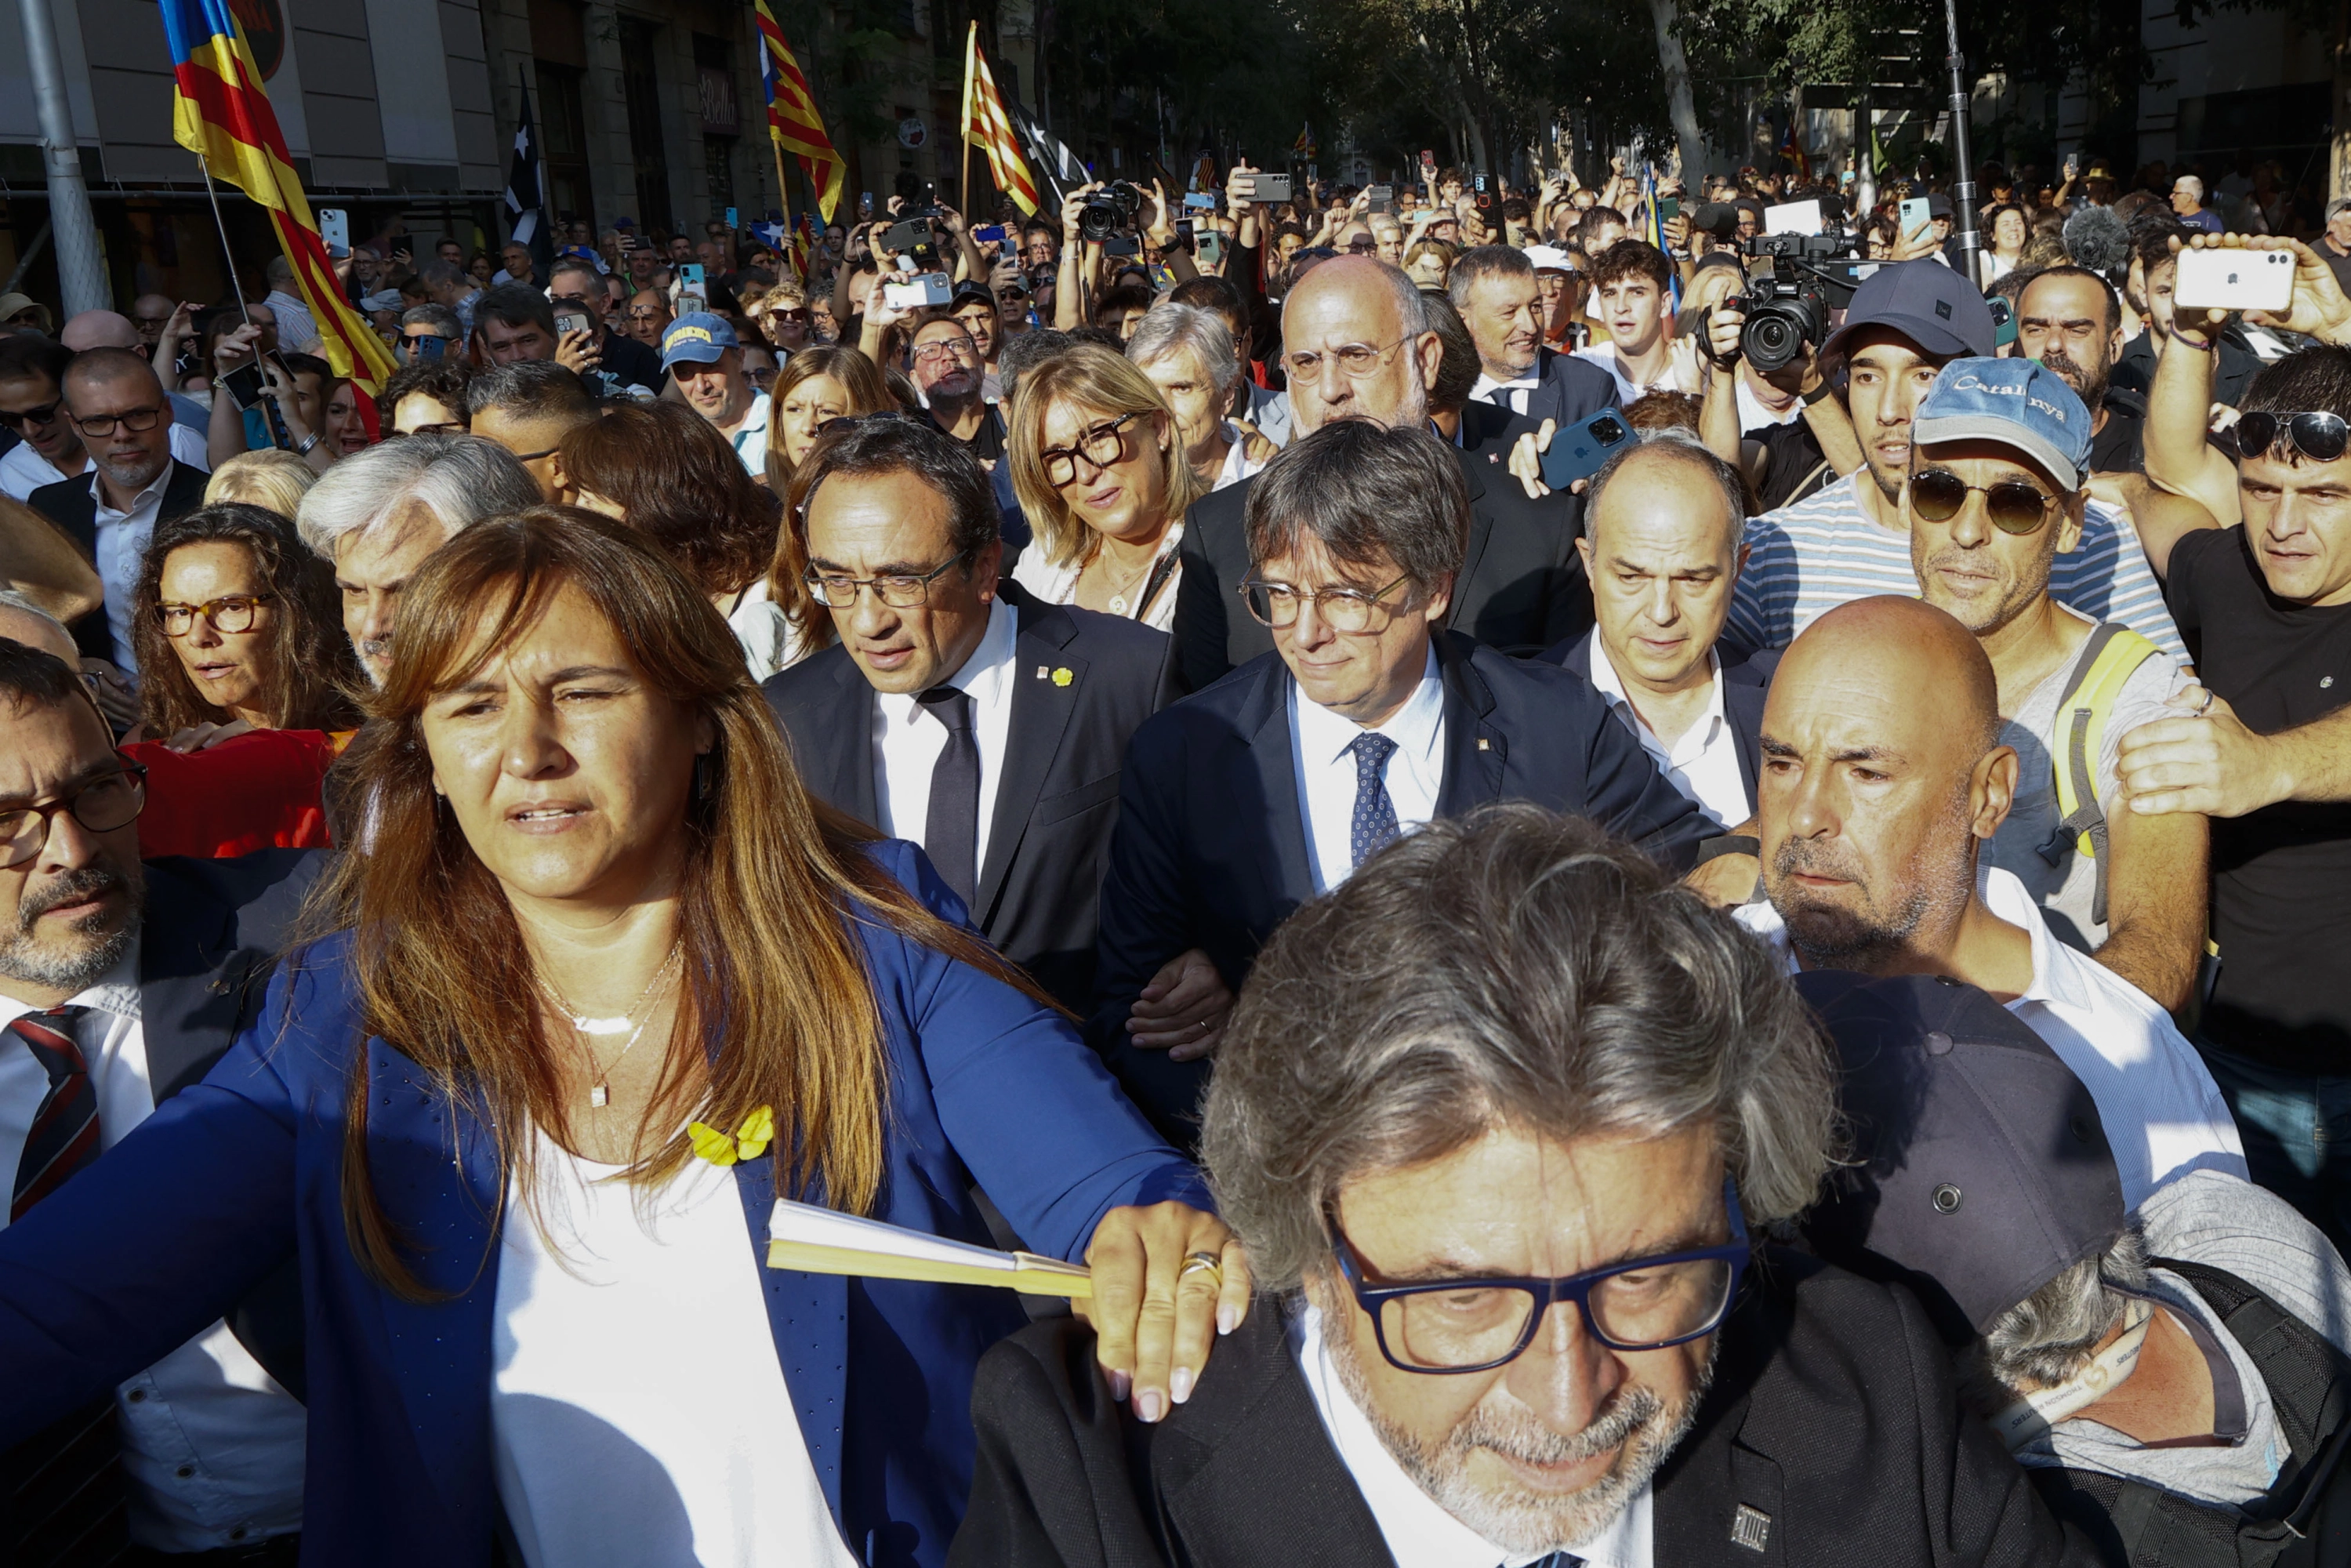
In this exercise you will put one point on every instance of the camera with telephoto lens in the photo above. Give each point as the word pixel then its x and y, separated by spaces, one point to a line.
pixel 1789 307
pixel 1108 210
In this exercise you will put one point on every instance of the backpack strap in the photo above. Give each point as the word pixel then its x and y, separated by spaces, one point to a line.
pixel 2109 657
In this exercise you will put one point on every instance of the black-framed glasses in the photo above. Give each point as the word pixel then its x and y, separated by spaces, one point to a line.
pixel 110 802
pixel 1452 1326
pixel 943 348
pixel 2319 436
pixel 138 420
pixel 898 589
pixel 1346 609
pixel 2014 506
pixel 1101 446
pixel 1357 360
pixel 44 415
pixel 229 615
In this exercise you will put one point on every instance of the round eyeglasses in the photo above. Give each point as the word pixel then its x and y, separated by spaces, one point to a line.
pixel 230 616
pixel 2014 506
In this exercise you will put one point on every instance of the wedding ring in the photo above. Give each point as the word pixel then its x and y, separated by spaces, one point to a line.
pixel 2207 702
pixel 1202 1263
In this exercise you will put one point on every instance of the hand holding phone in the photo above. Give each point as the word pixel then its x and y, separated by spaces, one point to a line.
pixel 1582 449
pixel 2234 279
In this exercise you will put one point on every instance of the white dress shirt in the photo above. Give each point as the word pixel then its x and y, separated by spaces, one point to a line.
pixel 1419 1533
pixel 212 1446
pixel 1325 770
pixel 1239 463
pixel 121 548
pixel 1511 394
pixel 908 738
pixel 24 470
pixel 2163 1113
pixel 1703 761
pixel 750 437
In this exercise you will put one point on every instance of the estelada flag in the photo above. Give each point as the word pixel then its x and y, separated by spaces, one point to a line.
pixel 792 119
pixel 220 112
pixel 985 124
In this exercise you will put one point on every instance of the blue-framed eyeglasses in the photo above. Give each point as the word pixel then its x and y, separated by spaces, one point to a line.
pixel 1475 1325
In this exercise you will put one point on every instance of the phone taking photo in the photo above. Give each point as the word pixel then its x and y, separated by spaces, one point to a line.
pixel 1579 451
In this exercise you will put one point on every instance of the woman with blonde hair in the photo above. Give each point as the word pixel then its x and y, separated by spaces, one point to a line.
pixel 1101 473
pixel 608 984
pixel 273 479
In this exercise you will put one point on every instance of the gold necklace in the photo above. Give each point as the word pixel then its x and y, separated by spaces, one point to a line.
pixel 600 1093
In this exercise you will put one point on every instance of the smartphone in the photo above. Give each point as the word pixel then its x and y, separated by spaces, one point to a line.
pixel 1200 201
pixel 1381 199
pixel 1579 451
pixel 991 234
pixel 1481 185
pixel 865 204
pixel 1121 245
pixel 730 218
pixel 435 347
pixel 2234 280
pixel 1209 248
pixel 1184 233
pixel 568 321
pixel 246 384
pixel 2003 321
pixel 690 284
pixel 1266 186
pixel 1915 216
pixel 335 228
pixel 1427 159
pixel 1668 208
pixel 916 291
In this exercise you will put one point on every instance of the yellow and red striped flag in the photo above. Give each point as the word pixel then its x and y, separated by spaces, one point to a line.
pixel 792 119
pixel 985 122
pixel 221 112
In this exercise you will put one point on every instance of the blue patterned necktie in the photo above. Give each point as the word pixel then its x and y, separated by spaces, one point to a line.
pixel 1374 826
pixel 1557 1560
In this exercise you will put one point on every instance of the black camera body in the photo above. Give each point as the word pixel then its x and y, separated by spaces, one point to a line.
pixel 915 234
pixel 1789 307
pixel 1108 210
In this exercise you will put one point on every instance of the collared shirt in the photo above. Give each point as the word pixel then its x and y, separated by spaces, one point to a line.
pixel 908 739
pixel 1511 394
pixel 750 437
pixel 1325 770
pixel 1703 761
pixel 122 547
pixel 2164 1115
pixel 211 1444
pixel 1239 463
pixel 1419 1533
pixel 1680 372
pixel 24 470
pixel 297 330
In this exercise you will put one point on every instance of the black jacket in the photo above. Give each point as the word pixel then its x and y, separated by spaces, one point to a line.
pixel 1521 588
pixel 70 506
pixel 1570 389
pixel 1082 684
pixel 1210 849
pixel 1831 1415
pixel 1745 685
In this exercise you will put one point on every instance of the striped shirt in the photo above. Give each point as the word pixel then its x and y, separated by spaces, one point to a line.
pixel 1805 559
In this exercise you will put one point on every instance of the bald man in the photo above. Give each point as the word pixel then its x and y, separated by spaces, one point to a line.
pixel 1357 344
pixel 1884 777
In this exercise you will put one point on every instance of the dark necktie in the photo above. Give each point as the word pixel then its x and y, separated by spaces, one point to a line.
pixel 1557 1560
pixel 1376 819
pixel 63 1487
pixel 951 832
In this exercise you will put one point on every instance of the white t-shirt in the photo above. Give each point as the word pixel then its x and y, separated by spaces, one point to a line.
pixel 638 1411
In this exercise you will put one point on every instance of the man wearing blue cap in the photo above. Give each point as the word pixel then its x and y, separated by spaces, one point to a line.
pixel 1848 541
pixel 702 354
pixel 1993 499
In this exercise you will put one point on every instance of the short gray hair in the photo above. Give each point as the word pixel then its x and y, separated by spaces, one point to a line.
pixel 1172 329
pixel 458 479
pixel 1515 967
pixel 439 316
pixel 1672 446
pixel 2050 1336
pixel 1483 261
pixel 1363 491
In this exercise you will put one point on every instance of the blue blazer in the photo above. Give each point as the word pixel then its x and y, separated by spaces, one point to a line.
pixel 243 1171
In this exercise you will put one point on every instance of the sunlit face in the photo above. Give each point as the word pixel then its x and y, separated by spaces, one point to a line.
pixel 1887 379
pixel 1366 675
pixel 1199 404
pixel 801 410
pixel 1663 556
pixel 979 320
pixel 2071 316
pixel 1983 578
pixel 1504 314
pixel 67 914
pixel 946 365
pixel 1348 303
pixel 2008 232
pixel 1125 498
pixel 372 566
pixel 717 389
pixel 566 771
pixel 508 344
pixel 896 525
pixel 1632 308
pixel 2298 520
pixel 229 670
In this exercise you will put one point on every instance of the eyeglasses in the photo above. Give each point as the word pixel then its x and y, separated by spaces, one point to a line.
pixel 1101 446
pixel 137 420
pixel 44 415
pixel 1347 610
pixel 450 427
pixel 900 591
pixel 102 805
pixel 2320 437
pixel 647 313
pixel 945 349
pixel 1358 360
pixel 1450 1326
pixel 230 615
pixel 792 313
pixel 2013 506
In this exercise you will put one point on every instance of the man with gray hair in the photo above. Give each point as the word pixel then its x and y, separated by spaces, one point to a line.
pixel 1494 288
pixel 376 514
pixel 1502 1121
pixel 298 330
pixel 2187 201
pixel 1367 720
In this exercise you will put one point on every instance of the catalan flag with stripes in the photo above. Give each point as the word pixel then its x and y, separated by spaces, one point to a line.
pixel 792 119
pixel 985 124
pixel 221 112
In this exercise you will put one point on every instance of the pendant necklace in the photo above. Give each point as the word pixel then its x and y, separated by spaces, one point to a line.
pixel 600 1093
pixel 1134 580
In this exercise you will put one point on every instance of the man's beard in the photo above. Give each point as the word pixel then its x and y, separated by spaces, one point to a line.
pixel 1835 936
pixel 2078 376
pixel 77 970
pixel 1636 1424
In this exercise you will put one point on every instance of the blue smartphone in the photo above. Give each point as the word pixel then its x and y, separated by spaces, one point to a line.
pixel 1200 201
pixel 2003 322
pixel 989 234
pixel 1579 451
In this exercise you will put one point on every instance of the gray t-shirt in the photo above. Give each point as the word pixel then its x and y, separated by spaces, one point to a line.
pixel 2067 890
pixel 2219 1221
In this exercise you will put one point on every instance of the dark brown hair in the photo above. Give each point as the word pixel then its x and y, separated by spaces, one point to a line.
pixel 678 482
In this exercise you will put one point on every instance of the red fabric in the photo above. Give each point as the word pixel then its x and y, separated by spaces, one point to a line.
pixel 257 791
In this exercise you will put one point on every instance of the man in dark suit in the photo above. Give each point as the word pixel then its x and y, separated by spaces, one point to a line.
pixel 1356 344
pixel 1502 1122
pixel 121 985
pixel 1493 286
pixel 125 423
pixel 1050 697
pixel 1244 800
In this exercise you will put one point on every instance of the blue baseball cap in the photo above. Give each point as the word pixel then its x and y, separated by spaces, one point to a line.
pixel 2021 404
pixel 1925 301
pixel 697 337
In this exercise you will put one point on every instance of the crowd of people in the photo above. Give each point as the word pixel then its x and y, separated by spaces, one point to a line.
pixel 1608 954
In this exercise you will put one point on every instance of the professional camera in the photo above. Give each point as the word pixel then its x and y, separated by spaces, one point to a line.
pixel 1789 307
pixel 1108 210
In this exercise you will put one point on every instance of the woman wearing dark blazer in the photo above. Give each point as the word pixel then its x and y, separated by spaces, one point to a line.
pixel 604 982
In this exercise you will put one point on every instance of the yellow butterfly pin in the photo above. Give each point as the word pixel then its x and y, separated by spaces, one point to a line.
pixel 749 1142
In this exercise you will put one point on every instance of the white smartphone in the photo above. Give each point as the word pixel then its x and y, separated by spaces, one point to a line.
pixel 2234 280
pixel 1916 216
pixel 917 292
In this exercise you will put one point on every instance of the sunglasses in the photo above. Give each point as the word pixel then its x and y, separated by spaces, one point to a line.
pixel 2321 437
pixel 2013 506
pixel 44 415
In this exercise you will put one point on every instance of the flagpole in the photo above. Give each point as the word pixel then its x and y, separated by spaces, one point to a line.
pixel 963 130
pixel 278 434
pixel 783 192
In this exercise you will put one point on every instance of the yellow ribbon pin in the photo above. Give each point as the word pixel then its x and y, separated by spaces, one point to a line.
pixel 1062 677
pixel 749 1142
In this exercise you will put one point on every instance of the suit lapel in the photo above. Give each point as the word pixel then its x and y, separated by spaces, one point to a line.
pixel 1046 682
pixel 808 1316
pixel 1264 729
pixel 191 981
pixel 1481 528
pixel 1475 751
pixel 850 759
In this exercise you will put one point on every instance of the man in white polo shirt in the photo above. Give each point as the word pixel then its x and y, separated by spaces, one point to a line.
pixel 1883 779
